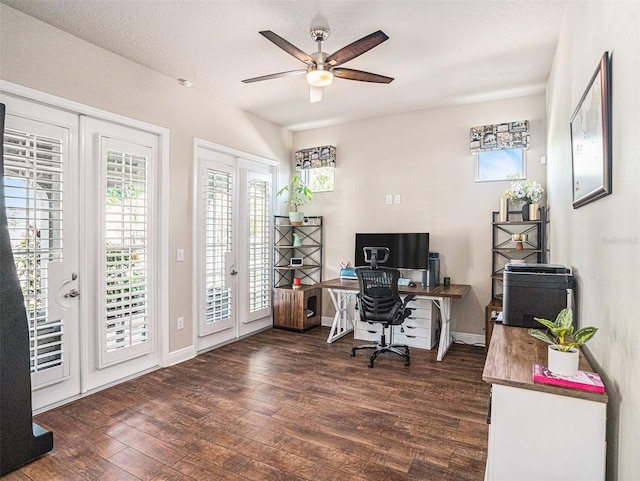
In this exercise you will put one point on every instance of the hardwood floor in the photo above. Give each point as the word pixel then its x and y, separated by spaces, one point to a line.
pixel 279 406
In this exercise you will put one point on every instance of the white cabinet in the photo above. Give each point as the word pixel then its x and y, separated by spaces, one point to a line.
pixel 537 436
pixel 418 330
pixel 539 431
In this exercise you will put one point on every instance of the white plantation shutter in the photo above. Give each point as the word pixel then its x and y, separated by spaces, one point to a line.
pixel 33 188
pixel 259 246
pixel 125 329
pixel 218 235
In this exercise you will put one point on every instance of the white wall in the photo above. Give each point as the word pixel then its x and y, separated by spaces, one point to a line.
pixel 602 240
pixel 38 56
pixel 423 156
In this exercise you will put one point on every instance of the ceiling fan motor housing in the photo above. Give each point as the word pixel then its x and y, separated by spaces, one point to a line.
pixel 319 34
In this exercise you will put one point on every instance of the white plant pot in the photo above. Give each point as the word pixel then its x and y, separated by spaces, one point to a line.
pixel 296 218
pixel 563 363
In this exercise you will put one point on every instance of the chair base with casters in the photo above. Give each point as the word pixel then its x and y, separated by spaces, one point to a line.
pixel 381 346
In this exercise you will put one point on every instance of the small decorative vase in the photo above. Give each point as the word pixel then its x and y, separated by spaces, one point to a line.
pixel 534 211
pixel 503 215
pixel 525 212
pixel 296 218
pixel 297 240
pixel 563 363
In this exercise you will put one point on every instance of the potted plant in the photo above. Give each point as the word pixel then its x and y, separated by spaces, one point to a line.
pixel 529 193
pixel 299 195
pixel 563 342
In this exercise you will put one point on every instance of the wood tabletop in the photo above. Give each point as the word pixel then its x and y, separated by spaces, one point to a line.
pixel 456 291
pixel 510 359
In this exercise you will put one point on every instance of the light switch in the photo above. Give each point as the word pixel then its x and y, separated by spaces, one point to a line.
pixel 397 198
pixel 389 199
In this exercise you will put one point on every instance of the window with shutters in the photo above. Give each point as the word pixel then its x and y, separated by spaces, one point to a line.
pixel 33 189
pixel 218 235
pixel 126 255
pixel 259 245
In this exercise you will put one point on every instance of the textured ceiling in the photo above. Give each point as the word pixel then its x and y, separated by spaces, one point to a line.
pixel 440 53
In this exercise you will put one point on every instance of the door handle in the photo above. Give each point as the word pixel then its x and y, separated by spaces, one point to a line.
pixel 72 293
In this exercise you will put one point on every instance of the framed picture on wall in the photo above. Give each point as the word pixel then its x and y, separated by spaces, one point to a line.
pixel 591 138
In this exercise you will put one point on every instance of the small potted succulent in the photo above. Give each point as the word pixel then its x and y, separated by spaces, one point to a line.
pixel 299 195
pixel 563 342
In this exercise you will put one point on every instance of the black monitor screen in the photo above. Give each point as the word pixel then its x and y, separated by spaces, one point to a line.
pixel 406 251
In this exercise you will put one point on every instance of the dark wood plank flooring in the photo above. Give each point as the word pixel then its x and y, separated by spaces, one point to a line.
pixel 279 406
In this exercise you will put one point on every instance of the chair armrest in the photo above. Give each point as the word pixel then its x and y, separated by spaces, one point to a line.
pixel 408 299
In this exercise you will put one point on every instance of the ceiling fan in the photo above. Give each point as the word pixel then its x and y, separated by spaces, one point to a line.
pixel 322 68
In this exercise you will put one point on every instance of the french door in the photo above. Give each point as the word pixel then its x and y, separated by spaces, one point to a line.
pixel 41 197
pixel 232 245
pixel 83 219
pixel 120 228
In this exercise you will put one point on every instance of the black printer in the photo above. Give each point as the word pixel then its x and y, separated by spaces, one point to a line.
pixel 534 290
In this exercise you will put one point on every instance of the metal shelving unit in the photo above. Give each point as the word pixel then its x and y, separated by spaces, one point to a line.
pixel 309 250
pixel 504 251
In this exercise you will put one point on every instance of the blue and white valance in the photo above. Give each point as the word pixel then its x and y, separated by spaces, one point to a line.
pixel 316 157
pixel 508 135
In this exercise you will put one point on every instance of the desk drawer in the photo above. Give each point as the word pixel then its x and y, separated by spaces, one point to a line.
pixel 423 339
pixel 419 303
pixel 415 319
pixel 367 331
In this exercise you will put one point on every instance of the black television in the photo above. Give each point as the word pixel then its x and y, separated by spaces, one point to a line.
pixel 406 250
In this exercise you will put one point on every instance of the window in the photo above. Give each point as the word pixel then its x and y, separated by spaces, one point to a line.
pixel 259 244
pixel 320 179
pixel 218 244
pixel 505 164
pixel 126 255
pixel 33 183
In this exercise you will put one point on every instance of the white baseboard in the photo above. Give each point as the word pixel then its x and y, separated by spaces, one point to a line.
pixel 466 338
pixel 181 355
pixel 327 321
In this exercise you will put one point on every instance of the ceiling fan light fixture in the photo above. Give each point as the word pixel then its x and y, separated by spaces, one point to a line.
pixel 319 78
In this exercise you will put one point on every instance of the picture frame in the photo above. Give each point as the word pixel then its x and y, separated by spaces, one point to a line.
pixel 590 127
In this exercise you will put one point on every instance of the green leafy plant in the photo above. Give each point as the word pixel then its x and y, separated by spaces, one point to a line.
pixel 299 193
pixel 560 333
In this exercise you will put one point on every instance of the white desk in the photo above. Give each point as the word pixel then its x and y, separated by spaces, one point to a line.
pixel 341 291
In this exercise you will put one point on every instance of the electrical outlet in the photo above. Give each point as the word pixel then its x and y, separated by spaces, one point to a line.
pixel 180 323
pixel 389 199
pixel 180 255
pixel 397 198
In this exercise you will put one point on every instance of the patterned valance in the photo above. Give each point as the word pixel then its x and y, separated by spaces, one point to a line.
pixel 509 135
pixel 316 157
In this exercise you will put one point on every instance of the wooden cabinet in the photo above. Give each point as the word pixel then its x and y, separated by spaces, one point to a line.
pixel 418 330
pixel 298 309
pixel 539 431
pixel 504 249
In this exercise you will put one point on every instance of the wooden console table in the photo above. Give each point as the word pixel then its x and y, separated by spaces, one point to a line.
pixel 539 431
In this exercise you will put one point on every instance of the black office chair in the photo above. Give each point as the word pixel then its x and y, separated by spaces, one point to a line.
pixel 379 301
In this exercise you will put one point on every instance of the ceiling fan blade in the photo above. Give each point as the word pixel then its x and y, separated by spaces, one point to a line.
pixel 315 93
pixel 290 73
pixel 288 47
pixel 350 74
pixel 356 48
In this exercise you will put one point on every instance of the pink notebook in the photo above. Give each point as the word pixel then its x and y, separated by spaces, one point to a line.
pixel 585 380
